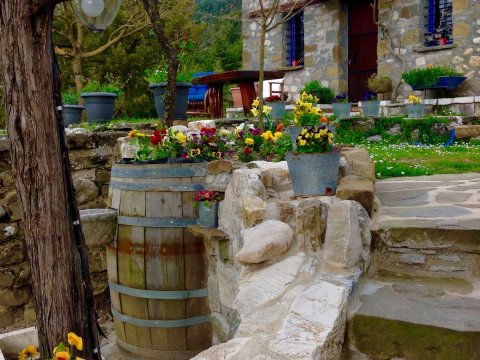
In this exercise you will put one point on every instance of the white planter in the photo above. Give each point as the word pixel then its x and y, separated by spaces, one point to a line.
pixel 13 342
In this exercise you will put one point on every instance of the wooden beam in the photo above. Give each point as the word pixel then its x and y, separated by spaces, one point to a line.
pixel 286 7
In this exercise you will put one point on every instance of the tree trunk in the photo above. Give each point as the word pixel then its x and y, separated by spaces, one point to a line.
pixel 152 9
pixel 55 245
pixel 77 71
pixel 261 69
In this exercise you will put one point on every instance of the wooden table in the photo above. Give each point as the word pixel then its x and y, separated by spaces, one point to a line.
pixel 244 78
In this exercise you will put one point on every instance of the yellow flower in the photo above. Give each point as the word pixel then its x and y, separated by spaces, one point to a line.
pixel 61 355
pixel 304 131
pixel 249 141
pixel 266 110
pixel 180 137
pixel 278 135
pixel 132 133
pixel 254 111
pixel 194 152
pixel 414 99
pixel 267 135
pixel 139 134
pixel 29 353
pixel 302 142
pixel 256 102
pixel 74 339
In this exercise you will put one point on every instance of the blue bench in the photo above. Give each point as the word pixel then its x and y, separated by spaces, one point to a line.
pixel 196 96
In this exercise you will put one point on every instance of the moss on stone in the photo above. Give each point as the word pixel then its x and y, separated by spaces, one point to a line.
pixel 381 338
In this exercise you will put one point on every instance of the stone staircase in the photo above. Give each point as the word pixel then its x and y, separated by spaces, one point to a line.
pixel 422 297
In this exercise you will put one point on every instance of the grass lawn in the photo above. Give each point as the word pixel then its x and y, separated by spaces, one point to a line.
pixel 413 160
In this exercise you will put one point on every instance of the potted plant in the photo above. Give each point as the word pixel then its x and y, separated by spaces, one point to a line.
pixel 99 100
pixel 306 113
pixel 71 110
pixel 379 84
pixel 313 166
pixel 370 104
pixel 415 108
pixel 324 94
pixel 431 77
pixel 157 79
pixel 207 203
pixel 341 106
pixel 277 106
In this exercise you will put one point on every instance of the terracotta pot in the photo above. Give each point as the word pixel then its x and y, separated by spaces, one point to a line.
pixel 237 97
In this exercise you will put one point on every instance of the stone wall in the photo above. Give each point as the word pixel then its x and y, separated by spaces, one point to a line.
pixel 281 268
pixel 326 45
pixel 91 157
pixel 405 25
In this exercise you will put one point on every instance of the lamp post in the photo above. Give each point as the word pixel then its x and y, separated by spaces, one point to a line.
pixel 97 15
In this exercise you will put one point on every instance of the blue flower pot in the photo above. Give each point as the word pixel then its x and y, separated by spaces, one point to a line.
pixel 415 110
pixel 72 114
pixel 278 109
pixel 207 216
pixel 99 106
pixel 314 173
pixel 342 110
pixel 371 108
pixel 181 99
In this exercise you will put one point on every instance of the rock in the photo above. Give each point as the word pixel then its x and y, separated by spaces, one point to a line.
pixel 181 128
pixel 98 226
pixel 14 297
pixel 102 176
pixel 254 210
pixel 29 315
pixel 7 278
pixel 274 175
pixel 9 231
pixel 257 287
pixel 365 225
pixel 343 241
pixel 7 317
pixel 374 138
pixel 285 210
pixel 440 129
pixel 311 223
pixel 395 129
pixel 200 124
pixel 3 212
pixel 412 259
pixel 12 252
pixel 265 241
pixel 474 61
pixel 358 188
pixel 315 325
pixel 416 135
pixel 97 260
pixel 24 278
pixel 218 182
pixel 219 166
pixel 85 190
pixel 13 207
pixel 360 162
pixel 343 168
pixel 238 349
pixel 99 282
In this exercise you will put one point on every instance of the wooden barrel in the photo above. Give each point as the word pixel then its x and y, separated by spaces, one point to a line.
pixel 157 271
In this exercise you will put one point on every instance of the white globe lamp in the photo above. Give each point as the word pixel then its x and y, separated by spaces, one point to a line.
pixel 97 15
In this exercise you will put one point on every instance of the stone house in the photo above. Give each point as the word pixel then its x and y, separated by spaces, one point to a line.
pixel 342 43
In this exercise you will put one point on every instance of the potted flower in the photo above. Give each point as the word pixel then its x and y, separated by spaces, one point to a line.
pixel 277 106
pixel 313 166
pixel 207 203
pixel 431 77
pixel 306 113
pixel 415 108
pixel 71 110
pixel 157 78
pixel 379 84
pixel 324 94
pixel 341 106
pixel 152 149
pixel 370 104
pixel 99 100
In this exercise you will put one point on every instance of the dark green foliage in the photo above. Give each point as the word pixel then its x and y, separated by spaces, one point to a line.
pixel 70 97
pixel 427 76
pixel 324 94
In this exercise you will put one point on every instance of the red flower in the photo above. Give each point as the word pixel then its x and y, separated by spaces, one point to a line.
pixel 156 137
pixel 279 127
pixel 247 150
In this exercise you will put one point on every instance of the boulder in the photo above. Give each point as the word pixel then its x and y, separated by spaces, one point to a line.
pixel 13 207
pixel 12 252
pixel 254 210
pixel 85 190
pixel 3 212
pixel 264 242
pixel 343 241
pixel 219 166
pixel 358 188
pixel 360 162
pixel 310 220
pixel 98 226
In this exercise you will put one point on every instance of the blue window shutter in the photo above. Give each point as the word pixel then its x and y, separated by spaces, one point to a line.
pixel 292 40
pixel 431 16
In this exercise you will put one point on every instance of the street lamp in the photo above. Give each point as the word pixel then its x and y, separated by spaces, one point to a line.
pixel 97 15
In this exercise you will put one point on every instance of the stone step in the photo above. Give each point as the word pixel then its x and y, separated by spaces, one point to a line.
pixel 429 225
pixel 414 318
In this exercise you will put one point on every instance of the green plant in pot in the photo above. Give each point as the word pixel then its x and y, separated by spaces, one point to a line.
pixel 342 106
pixel 314 164
pixel 157 79
pixel 277 106
pixel 207 202
pixel 370 104
pixel 431 77
pixel 324 94
pixel 72 111
pixel 415 108
pixel 99 99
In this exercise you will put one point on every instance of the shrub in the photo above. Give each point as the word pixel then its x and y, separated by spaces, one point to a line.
pixel 70 97
pixel 324 94
pixel 95 86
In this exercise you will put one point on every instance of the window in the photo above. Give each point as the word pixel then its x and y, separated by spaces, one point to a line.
pixel 294 40
pixel 438 22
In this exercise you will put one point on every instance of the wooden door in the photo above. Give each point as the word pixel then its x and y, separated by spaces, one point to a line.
pixel 362 47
